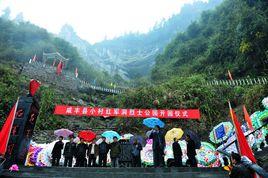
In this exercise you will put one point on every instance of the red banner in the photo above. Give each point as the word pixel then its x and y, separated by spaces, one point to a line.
pixel 117 112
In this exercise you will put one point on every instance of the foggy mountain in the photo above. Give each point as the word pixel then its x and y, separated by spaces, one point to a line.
pixel 133 55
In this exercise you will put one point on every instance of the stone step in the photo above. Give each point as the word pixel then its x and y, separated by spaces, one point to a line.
pixel 35 172
pixel 109 169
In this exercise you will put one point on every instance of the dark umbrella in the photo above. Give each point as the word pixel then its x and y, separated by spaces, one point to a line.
pixel 139 138
pixel 194 137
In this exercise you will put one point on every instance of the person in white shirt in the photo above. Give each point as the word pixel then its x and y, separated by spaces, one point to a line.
pixel 93 152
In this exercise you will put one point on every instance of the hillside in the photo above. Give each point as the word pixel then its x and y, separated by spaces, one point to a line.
pixel 20 41
pixel 234 36
pixel 133 55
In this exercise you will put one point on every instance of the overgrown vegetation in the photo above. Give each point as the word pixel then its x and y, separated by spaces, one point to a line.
pixel 10 89
pixel 189 92
pixel 233 37
pixel 20 41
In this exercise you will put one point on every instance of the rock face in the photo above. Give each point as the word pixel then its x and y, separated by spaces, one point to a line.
pixel 133 55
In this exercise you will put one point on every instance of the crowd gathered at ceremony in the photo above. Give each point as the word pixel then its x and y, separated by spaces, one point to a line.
pixel 95 154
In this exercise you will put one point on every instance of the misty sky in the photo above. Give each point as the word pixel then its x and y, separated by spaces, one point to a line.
pixel 94 20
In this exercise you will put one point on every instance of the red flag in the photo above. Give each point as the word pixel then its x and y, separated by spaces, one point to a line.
pixel 230 75
pixel 76 72
pixel 243 145
pixel 6 129
pixel 59 68
pixel 34 58
pixel 33 87
pixel 247 118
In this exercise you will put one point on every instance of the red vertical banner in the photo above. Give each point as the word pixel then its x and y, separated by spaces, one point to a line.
pixel 247 118
pixel 243 145
pixel 119 112
pixel 6 130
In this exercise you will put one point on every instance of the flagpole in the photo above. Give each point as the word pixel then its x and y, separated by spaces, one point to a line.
pixel 232 117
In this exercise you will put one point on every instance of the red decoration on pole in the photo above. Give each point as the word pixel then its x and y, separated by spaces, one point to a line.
pixel 6 129
pixel 118 112
pixel 243 145
pixel 59 68
pixel 230 75
pixel 247 118
pixel 33 87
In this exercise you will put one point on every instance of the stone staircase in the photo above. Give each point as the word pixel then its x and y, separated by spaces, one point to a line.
pixel 61 172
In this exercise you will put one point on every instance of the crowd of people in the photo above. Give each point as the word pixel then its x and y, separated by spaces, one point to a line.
pixel 86 155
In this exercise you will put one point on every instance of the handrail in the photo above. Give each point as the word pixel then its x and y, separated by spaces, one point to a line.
pixel 238 82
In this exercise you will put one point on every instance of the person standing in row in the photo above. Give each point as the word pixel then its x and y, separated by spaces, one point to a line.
pixel 81 150
pixel 191 152
pixel 177 153
pixel 159 145
pixel 56 152
pixel 69 152
pixel 93 152
pixel 103 151
pixel 115 152
pixel 136 153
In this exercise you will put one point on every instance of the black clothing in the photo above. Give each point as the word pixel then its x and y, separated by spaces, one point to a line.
pixel 80 162
pixel 69 153
pixel 68 161
pixel 92 160
pixel 55 161
pixel 158 155
pixel 136 154
pixel 103 151
pixel 92 157
pixel 177 154
pixel 96 150
pixel 158 140
pixel 159 145
pixel 102 159
pixel 240 171
pixel 103 148
pixel 56 153
pixel 191 148
pixel 69 149
pixel 191 153
pixel 115 149
pixel 81 150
